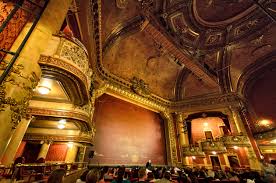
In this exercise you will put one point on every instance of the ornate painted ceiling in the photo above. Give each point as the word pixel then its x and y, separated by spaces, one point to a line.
pixel 180 49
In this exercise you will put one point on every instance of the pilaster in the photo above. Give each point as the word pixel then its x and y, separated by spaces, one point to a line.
pixel 17 88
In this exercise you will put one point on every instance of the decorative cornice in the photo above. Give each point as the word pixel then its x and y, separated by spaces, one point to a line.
pixel 117 86
pixel 57 62
pixel 271 134
pixel 80 139
pixel 58 113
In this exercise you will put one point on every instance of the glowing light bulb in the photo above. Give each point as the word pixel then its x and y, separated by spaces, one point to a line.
pixel 43 90
pixel 61 126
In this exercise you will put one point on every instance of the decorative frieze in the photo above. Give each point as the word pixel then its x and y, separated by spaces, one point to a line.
pixel 192 151
pixel 59 138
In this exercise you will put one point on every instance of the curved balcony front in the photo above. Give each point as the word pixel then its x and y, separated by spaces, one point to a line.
pixel 210 146
pixel 192 151
pixel 66 60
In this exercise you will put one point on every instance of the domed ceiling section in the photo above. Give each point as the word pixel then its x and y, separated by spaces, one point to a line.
pixel 115 13
pixel 221 11
pixel 139 56
pixel 204 47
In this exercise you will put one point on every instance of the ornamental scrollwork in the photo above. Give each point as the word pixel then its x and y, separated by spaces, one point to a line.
pixel 18 108
pixel 140 87
pixel 76 54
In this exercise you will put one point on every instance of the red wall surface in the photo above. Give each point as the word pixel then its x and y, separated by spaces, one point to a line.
pixel 198 127
pixel 57 152
pixel 127 134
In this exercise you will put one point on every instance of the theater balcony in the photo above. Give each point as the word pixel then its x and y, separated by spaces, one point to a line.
pixel 192 151
pixel 61 126
pixel 66 60
pixel 235 140
pixel 213 146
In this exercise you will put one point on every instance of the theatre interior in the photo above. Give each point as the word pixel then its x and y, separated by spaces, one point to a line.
pixel 183 83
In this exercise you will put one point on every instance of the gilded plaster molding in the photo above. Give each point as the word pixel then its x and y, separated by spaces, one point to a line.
pixel 171 137
pixel 119 87
pixel 54 138
pixel 57 62
pixel 17 107
pixel 58 113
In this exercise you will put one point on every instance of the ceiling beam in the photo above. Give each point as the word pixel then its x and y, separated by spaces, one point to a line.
pixel 191 64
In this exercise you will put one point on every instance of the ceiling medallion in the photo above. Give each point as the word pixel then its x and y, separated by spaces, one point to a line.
pixel 140 87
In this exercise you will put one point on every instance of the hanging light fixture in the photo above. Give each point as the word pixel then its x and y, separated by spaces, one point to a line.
pixel 61 123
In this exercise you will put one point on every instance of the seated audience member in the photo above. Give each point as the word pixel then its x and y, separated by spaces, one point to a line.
pixel 120 176
pixel 39 170
pixel 182 178
pixel 82 178
pixel 101 179
pixel 57 176
pixel 155 175
pixel 203 172
pixel 92 176
pixel 166 178
pixel 142 175
pixel 109 175
pixel 269 171
pixel 234 177
pixel 18 172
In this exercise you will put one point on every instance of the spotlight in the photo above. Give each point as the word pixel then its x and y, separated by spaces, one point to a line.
pixel 193 157
pixel 235 147
pixel 214 152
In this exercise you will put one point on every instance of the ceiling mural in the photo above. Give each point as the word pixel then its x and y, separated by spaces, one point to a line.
pixel 222 11
pixel 139 56
pixel 171 50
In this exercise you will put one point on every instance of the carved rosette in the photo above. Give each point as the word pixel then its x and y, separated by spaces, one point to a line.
pixel 140 87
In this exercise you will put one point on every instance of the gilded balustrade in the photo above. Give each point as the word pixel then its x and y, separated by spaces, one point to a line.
pixel 219 145
pixel 239 140
pixel 192 151
pixel 209 146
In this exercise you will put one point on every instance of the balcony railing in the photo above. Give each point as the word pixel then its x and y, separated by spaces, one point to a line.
pixel 209 146
pixel 192 151
pixel 239 140
pixel 219 145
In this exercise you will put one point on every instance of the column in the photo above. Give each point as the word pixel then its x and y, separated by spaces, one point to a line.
pixel 17 89
pixel 237 120
pixel 232 120
pixel 170 138
pixel 71 153
pixel 253 160
pixel 181 135
pixel 225 156
pixel 44 150
pixel 15 141
pixel 241 119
